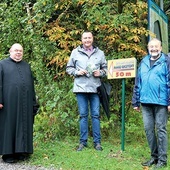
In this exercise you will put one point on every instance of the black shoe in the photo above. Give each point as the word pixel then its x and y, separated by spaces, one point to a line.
pixel 98 147
pixel 81 147
pixel 9 158
pixel 160 165
pixel 21 156
pixel 150 162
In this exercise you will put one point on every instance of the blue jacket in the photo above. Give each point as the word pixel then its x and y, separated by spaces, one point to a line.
pixel 152 84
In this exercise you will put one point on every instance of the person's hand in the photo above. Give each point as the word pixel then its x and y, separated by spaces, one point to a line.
pixel 96 73
pixel 168 108
pixel 1 106
pixel 137 109
pixel 82 72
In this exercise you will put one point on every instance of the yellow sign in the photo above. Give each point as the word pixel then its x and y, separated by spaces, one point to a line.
pixel 121 68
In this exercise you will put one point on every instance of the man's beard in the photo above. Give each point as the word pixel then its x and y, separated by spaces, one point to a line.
pixel 154 54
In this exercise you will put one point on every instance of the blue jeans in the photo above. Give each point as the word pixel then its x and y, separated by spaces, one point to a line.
pixel 155 122
pixel 85 100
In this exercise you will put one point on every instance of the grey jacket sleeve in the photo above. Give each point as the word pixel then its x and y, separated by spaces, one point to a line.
pixel 71 65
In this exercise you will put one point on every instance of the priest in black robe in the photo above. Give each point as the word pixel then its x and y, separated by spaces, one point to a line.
pixel 17 101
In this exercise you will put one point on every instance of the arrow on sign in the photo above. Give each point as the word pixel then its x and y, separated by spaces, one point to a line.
pixel 111 69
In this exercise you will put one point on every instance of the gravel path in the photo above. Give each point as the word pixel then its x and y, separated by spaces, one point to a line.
pixel 21 166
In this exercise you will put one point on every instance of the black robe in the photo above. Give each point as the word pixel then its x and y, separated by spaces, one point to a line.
pixel 16 117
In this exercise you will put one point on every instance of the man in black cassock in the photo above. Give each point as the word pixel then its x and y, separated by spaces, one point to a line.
pixel 17 101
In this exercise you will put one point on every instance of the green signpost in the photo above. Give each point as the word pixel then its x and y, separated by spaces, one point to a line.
pixel 121 69
pixel 123 116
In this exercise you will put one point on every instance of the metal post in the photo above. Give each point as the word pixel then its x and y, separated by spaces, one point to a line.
pixel 123 116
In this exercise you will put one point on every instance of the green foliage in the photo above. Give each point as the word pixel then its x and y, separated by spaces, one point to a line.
pixel 49 30
pixel 58 116
pixel 123 36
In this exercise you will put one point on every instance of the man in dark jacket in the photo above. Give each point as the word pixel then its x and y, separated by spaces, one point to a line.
pixel 17 98
pixel 152 91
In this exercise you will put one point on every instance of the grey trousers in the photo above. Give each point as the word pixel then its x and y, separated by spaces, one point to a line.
pixel 155 124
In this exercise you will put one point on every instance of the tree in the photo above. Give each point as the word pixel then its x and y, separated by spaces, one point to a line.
pixel 121 34
pixel 50 29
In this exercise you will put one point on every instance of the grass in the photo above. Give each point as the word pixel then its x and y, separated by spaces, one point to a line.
pixel 62 155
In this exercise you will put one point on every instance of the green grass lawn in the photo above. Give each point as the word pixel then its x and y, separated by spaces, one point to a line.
pixel 63 155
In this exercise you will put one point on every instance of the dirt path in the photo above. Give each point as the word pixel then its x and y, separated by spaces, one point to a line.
pixel 21 166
